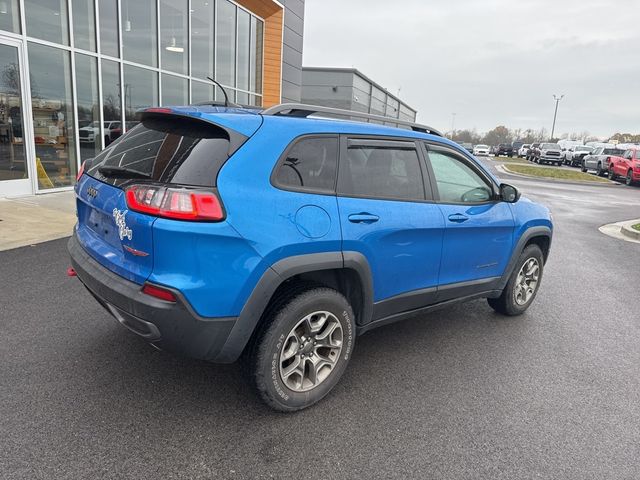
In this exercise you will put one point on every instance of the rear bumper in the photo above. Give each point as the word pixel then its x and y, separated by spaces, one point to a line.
pixel 170 326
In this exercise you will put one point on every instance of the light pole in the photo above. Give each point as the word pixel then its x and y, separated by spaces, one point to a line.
pixel 555 113
pixel 453 122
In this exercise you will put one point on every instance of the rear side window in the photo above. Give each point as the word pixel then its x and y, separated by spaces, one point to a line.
pixel 382 169
pixel 310 164
pixel 166 150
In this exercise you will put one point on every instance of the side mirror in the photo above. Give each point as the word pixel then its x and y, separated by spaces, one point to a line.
pixel 509 193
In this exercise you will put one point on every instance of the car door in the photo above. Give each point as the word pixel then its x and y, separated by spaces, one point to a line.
pixel 478 237
pixel 387 214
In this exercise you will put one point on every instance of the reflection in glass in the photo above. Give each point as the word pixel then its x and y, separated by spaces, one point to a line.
pixel 139 32
pixel 202 38
pixel 201 92
pixel 84 24
pixel 52 115
pixel 47 19
pixel 244 54
pixel 109 27
pixel 9 16
pixel 175 90
pixel 112 109
pixel 140 91
pixel 255 82
pixel 173 35
pixel 13 164
pixel 226 43
pixel 88 106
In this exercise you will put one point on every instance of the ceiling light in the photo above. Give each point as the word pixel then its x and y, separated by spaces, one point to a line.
pixel 173 47
pixel 127 26
pixel 3 8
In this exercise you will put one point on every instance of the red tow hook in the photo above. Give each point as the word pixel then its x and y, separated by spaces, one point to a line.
pixel 71 272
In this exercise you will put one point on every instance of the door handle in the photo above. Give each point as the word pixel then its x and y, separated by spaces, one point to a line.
pixel 363 217
pixel 458 218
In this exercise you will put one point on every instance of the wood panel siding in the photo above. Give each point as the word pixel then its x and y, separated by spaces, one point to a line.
pixel 273 14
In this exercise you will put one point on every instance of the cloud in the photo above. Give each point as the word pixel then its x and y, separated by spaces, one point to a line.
pixel 492 62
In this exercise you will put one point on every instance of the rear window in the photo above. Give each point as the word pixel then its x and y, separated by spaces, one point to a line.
pixel 613 151
pixel 166 150
pixel 310 165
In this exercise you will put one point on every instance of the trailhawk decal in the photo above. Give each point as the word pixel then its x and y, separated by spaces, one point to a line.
pixel 123 230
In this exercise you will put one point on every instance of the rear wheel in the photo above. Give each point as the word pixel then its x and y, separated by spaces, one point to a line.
pixel 303 349
pixel 599 170
pixel 629 179
pixel 523 284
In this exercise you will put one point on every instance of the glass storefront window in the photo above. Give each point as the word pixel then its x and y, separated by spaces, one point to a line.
pixel 84 24
pixel 140 91
pixel 52 109
pixel 47 19
pixel 202 38
pixel 255 81
pixel 226 43
pixel 13 162
pixel 139 31
pixel 174 47
pixel 111 104
pixel 10 16
pixel 201 92
pixel 88 106
pixel 244 39
pixel 175 90
pixel 109 27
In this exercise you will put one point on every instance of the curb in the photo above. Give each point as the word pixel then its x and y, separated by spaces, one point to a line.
pixel 502 168
pixel 629 232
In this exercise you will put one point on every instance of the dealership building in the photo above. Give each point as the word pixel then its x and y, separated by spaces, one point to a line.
pixel 74 72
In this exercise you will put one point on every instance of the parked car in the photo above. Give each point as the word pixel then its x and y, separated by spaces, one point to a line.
pixel 91 132
pixel 515 147
pixel 599 159
pixel 627 166
pixel 504 150
pixel 468 147
pixel 573 155
pixel 522 151
pixel 532 151
pixel 548 153
pixel 290 236
pixel 481 150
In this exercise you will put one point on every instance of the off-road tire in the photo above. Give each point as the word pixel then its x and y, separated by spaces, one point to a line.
pixel 506 303
pixel 262 359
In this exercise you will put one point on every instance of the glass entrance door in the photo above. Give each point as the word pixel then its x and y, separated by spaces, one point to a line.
pixel 14 164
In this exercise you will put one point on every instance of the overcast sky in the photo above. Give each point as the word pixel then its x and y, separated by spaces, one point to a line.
pixel 491 62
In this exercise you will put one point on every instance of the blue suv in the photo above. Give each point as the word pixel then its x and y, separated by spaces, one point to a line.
pixel 228 233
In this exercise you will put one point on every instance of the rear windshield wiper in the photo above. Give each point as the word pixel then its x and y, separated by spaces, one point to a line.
pixel 121 172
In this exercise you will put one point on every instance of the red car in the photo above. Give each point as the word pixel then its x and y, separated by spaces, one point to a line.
pixel 626 166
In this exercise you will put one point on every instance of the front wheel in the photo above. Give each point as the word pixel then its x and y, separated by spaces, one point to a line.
pixel 629 179
pixel 584 167
pixel 523 283
pixel 303 348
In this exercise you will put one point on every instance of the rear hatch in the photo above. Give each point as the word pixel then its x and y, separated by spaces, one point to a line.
pixel 163 150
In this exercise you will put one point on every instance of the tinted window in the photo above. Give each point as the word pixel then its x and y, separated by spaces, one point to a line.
pixel 310 164
pixel 457 182
pixel 382 170
pixel 185 152
pixel 637 154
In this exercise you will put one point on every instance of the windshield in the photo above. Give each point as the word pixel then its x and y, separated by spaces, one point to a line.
pixel 549 146
pixel 482 146
pixel 583 148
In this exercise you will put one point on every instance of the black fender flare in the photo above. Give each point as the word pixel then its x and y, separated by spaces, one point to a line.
pixel 539 231
pixel 280 272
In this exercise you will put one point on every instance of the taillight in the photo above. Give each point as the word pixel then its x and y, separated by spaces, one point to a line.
pixel 81 171
pixel 177 203
pixel 159 292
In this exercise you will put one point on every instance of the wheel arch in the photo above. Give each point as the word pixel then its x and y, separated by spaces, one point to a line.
pixel 541 236
pixel 347 272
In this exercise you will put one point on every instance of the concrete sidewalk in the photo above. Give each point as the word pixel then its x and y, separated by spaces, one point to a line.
pixel 36 218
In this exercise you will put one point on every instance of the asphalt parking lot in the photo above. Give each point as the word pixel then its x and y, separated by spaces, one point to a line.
pixel 460 393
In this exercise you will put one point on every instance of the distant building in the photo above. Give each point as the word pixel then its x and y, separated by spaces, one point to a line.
pixel 349 89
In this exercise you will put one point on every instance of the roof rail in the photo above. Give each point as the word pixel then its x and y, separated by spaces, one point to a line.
pixel 302 111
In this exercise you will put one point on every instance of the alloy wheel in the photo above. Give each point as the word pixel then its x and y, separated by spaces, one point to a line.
pixel 527 281
pixel 310 351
